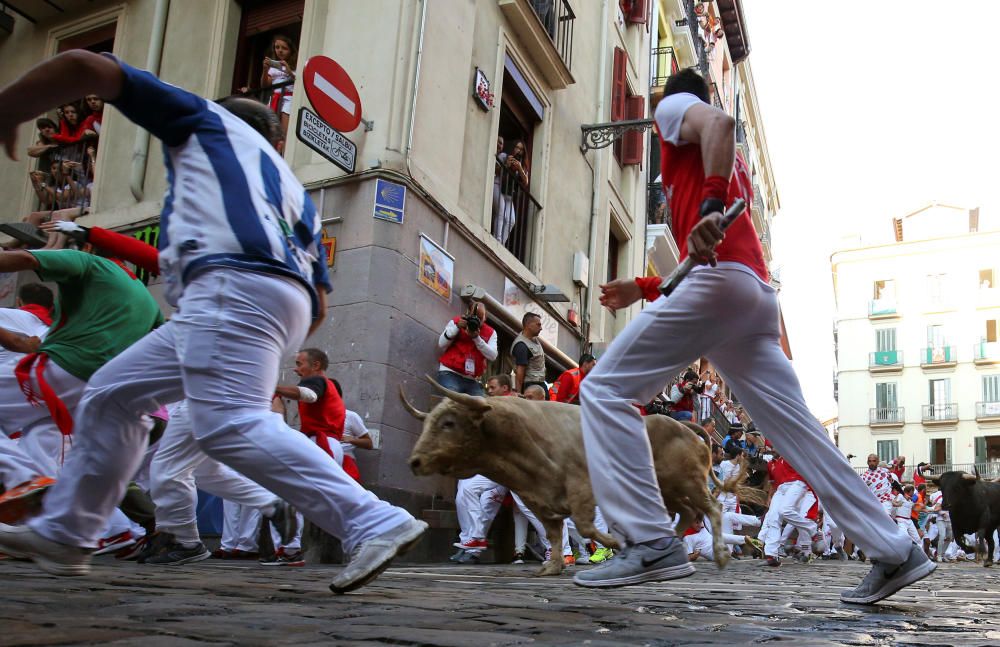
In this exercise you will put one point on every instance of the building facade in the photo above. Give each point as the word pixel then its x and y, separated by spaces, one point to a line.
pixel 917 351
pixel 418 227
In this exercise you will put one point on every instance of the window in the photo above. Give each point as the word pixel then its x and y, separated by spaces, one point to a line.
pixel 939 451
pixel 261 21
pixel 885 395
pixel 885 340
pixel 991 330
pixel 937 288
pixel 986 279
pixel 991 388
pixel 939 392
pixel 67 140
pixel 636 12
pixel 614 245
pixel 887 450
pixel 936 337
pixel 885 289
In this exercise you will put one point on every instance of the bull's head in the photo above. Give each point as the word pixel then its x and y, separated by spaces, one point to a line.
pixel 451 440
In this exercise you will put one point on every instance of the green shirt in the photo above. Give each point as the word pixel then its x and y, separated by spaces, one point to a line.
pixel 100 310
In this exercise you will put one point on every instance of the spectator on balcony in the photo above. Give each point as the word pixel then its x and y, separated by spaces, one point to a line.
pixel 279 67
pixel 709 389
pixel 72 128
pixel 42 186
pixel 45 148
pixel 503 210
pixel 95 113
pixel 514 186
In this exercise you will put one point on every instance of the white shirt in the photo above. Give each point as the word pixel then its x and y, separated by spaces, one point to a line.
pixel 670 113
pixel 903 506
pixel 700 541
pixel 354 427
pixel 23 323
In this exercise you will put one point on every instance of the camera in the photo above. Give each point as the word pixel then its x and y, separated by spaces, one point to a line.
pixel 473 323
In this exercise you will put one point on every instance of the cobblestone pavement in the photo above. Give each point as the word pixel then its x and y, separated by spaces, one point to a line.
pixel 418 604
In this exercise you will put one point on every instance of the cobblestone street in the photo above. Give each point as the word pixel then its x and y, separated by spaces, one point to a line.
pixel 241 604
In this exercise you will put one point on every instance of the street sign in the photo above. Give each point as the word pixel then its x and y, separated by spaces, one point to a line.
pixel 319 136
pixel 332 93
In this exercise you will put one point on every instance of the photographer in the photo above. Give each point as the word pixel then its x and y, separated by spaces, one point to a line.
pixel 467 343
pixel 682 394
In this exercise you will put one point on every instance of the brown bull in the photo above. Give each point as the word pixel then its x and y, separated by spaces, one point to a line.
pixel 536 450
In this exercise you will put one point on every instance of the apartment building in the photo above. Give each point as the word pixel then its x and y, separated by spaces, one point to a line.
pixel 917 351
pixel 412 233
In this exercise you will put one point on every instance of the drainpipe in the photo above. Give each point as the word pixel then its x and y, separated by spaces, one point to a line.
pixel 598 157
pixel 416 84
pixel 140 152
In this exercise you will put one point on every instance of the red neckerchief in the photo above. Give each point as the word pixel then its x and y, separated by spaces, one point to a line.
pixel 42 313
pixel 57 408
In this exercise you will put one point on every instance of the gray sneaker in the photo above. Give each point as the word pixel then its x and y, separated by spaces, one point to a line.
pixel 51 557
pixel 372 557
pixel 285 521
pixel 884 580
pixel 639 563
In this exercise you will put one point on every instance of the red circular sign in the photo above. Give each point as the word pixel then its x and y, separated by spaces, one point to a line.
pixel 332 93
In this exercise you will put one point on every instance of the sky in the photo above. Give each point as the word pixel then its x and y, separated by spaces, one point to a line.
pixel 871 111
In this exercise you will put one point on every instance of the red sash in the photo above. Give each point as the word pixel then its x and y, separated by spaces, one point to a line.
pixel 57 408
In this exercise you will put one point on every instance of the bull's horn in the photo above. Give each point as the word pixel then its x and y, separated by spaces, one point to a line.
pixel 970 477
pixel 470 401
pixel 412 410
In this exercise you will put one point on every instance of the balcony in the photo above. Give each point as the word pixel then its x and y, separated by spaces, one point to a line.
pixel 885 417
pixel 988 412
pixel 741 139
pixel 716 97
pixel 882 309
pixel 939 357
pixel 545 29
pixel 885 361
pixel 662 65
pixel 515 212
pixel 986 353
pixel 933 415
pixel 657 210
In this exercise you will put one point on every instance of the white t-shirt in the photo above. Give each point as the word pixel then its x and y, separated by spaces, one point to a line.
pixel 354 427
pixel 700 541
pixel 670 113
pixel 23 323
pixel 905 506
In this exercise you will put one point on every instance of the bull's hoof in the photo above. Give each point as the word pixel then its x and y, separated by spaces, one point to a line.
pixel 549 569
pixel 988 563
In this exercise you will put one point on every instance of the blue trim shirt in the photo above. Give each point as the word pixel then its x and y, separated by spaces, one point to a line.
pixel 231 199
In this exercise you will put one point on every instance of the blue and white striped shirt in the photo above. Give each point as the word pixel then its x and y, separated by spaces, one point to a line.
pixel 231 199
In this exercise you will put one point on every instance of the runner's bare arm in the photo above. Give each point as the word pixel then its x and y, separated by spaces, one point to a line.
pixel 62 78
pixel 17 261
pixel 17 342
pixel 715 132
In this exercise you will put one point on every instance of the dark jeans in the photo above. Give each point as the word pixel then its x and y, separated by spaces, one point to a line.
pixel 461 384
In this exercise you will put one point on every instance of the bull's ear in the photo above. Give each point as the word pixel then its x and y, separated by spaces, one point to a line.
pixel 473 402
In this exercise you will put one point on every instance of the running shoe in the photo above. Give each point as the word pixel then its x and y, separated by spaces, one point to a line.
pixel 639 563
pixel 518 557
pixel 569 560
pixel 884 579
pixel 175 554
pixel 601 555
pixel 756 545
pixel 472 544
pixel 18 502
pixel 282 558
pixel 372 557
pixel 115 543
pixel 51 557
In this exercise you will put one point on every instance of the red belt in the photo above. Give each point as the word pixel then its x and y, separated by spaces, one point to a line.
pixel 57 408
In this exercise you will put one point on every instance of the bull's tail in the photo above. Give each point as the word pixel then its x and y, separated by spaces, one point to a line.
pixel 732 485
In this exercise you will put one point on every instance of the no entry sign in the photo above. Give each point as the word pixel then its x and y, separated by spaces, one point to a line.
pixel 332 93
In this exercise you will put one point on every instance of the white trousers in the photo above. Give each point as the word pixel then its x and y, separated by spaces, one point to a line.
pixel 16 414
pixel 503 215
pixel 222 351
pixel 240 524
pixel 295 544
pixel 732 521
pixel 539 528
pixel 180 468
pixel 786 508
pixel 832 532
pixel 906 525
pixel 664 338
pixel 804 540
pixel 16 467
pixel 477 502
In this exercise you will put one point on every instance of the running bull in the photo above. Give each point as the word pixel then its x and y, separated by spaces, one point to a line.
pixel 974 507
pixel 536 449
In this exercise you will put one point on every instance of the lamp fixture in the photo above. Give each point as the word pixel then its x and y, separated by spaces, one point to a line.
pixel 547 292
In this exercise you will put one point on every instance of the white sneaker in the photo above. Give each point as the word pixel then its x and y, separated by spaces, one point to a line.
pixel 51 557
pixel 884 580
pixel 370 558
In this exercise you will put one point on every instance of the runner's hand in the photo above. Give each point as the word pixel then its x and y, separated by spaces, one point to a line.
pixel 620 293
pixel 703 239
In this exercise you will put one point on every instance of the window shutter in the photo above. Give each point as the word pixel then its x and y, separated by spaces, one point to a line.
pixel 265 16
pixel 635 108
pixel 638 12
pixel 618 73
